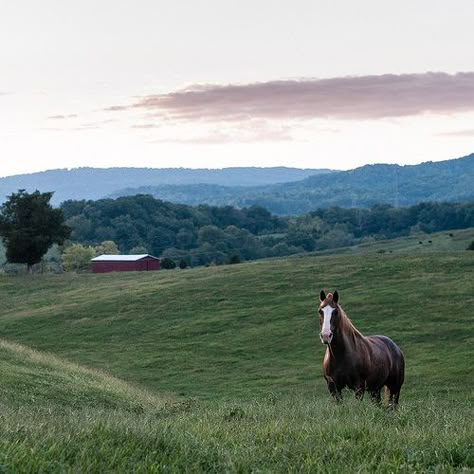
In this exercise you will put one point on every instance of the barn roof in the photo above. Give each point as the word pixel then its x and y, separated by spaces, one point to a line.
pixel 121 258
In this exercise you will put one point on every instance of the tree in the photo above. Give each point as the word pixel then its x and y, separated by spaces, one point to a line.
pixel 77 257
pixel 138 250
pixel 168 264
pixel 107 247
pixel 29 226
pixel 234 259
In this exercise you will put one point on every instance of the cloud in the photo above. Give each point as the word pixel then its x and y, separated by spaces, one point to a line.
pixel 116 108
pixel 360 97
pixel 62 117
pixel 458 133
pixel 256 131
pixel 146 125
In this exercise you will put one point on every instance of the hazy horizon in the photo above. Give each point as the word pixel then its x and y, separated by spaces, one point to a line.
pixel 215 85
pixel 221 168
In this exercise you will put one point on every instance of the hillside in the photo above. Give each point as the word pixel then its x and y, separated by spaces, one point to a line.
pixel 230 360
pixel 51 381
pixel 239 331
pixel 450 180
pixel 96 183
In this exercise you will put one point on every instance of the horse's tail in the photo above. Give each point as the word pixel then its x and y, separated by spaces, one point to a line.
pixel 396 378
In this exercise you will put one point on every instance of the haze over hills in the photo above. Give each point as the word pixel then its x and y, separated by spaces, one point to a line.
pixel 96 183
pixel 283 191
pixel 450 180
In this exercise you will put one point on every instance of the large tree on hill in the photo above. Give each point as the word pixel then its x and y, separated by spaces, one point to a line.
pixel 29 226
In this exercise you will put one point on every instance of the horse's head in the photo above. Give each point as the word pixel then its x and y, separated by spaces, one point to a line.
pixel 328 316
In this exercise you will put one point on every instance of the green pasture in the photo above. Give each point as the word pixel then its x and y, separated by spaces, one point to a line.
pixel 218 369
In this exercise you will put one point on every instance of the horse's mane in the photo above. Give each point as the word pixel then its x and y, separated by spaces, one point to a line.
pixel 347 324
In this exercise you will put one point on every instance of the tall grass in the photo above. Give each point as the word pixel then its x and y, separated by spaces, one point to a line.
pixel 265 435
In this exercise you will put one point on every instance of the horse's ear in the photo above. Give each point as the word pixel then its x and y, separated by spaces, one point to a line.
pixel 335 297
pixel 322 296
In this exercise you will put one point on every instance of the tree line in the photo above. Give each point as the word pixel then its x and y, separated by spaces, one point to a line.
pixel 201 235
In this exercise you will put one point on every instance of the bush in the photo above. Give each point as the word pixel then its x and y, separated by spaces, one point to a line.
pixel 168 264
pixel 107 247
pixel 234 259
pixel 470 246
pixel 183 264
pixel 77 257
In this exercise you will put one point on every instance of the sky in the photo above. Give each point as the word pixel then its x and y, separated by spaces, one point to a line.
pixel 219 83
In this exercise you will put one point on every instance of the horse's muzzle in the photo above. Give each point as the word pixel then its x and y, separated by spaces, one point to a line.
pixel 326 337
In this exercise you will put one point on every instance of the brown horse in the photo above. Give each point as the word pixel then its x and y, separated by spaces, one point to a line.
pixel 355 361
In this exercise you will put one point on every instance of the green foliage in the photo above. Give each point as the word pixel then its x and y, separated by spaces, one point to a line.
pixel 168 264
pixel 138 250
pixel 183 264
pixel 234 259
pixel 204 234
pixel 200 235
pixel 470 246
pixel 108 247
pixel 29 226
pixel 78 257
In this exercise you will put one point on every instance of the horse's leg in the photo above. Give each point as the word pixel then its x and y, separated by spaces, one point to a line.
pixel 392 395
pixel 375 396
pixel 334 390
pixel 359 392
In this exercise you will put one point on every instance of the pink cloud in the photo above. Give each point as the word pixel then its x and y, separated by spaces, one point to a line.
pixel 361 97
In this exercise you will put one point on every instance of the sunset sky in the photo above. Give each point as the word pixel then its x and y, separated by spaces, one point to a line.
pixel 217 83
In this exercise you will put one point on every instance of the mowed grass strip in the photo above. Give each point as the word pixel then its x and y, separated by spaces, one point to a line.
pixel 247 330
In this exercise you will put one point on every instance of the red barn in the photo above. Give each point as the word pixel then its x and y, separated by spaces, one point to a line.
pixel 125 263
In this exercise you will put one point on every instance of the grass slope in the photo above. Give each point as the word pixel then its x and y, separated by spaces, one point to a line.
pixel 59 417
pixel 238 347
pixel 246 330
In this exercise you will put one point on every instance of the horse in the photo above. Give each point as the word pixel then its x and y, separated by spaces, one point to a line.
pixel 360 363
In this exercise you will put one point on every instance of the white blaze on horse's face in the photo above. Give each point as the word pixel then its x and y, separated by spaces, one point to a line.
pixel 326 333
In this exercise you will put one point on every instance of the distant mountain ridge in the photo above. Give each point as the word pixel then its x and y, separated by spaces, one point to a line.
pixel 96 183
pixel 283 191
pixel 450 180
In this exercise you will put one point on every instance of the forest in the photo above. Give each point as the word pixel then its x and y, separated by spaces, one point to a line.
pixel 201 235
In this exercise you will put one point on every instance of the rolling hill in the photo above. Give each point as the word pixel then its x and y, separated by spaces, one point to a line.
pixel 96 183
pixel 450 180
pixel 218 369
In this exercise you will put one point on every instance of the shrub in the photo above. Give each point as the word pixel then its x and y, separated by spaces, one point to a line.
pixel 168 264
pixel 77 257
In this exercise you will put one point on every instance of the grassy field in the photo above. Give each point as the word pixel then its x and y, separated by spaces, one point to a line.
pixel 219 369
